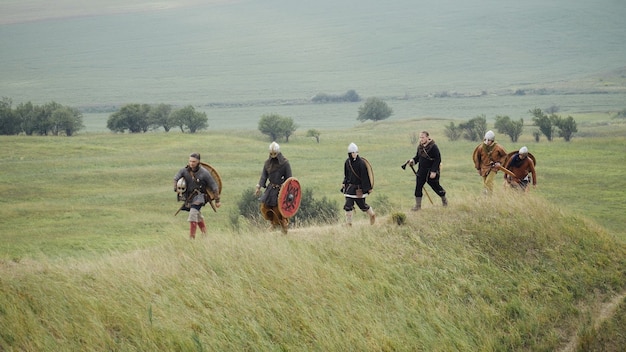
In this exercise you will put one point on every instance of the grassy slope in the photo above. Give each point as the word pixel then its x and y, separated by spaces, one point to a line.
pixel 93 258
pixel 455 282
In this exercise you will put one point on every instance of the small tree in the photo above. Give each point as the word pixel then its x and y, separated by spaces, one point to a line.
pixel 544 122
pixel 314 133
pixel 453 132
pixel 474 129
pixel 276 126
pixel 9 119
pixel 159 116
pixel 43 118
pixel 67 120
pixel 537 135
pixel 351 96
pixel 374 109
pixel 567 127
pixel 190 119
pixel 27 114
pixel 288 127
pixel 269 124
pixel 131 117
pixel 511 128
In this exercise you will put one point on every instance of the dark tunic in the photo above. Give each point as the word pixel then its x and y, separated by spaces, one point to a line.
pixel 275 172
pixel 198 184
pixel 428 159
pixel 355 177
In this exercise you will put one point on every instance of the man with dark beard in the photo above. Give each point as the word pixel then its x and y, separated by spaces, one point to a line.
pixel 428 171
pixel 275 170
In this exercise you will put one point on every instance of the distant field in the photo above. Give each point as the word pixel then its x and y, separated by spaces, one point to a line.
pixel 249 51
pixel 33 10
pixel 344 115
pixel 93 255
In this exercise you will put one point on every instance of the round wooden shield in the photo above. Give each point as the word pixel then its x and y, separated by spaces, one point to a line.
pixel 216 177
pixel 370 171
pixel 475 153
pixel 289 197
pixel 510 155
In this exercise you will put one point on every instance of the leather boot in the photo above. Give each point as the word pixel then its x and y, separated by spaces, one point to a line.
pixel 444 201
pixel 372 215
pixel 418 204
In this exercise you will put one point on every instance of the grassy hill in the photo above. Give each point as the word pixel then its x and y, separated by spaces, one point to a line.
pixel 518 274
pixel 93 258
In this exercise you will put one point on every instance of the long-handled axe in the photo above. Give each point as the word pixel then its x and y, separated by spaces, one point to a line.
pixel 415 172
pixel 507 171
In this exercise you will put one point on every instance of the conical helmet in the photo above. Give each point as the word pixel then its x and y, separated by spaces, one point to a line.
pixel 181 186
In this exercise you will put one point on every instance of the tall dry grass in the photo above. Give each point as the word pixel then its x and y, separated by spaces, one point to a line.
pixel 93 259
pixel 511 274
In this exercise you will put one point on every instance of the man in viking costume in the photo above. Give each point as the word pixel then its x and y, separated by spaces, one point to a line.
pixel 356 184
pixel 522 166
pixel 192 183
pixel 276 170
pixel 428 158
pixel 488 158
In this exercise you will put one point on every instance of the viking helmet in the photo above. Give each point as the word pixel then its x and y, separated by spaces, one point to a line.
pixel 523 150
pixel 352 148
pixel 490 135
pixel 274 147
pixel 181 186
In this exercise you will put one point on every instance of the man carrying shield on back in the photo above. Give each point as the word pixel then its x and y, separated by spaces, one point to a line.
pixel 522 165
pixel 276 170
pixel 357 184
pixel 192 184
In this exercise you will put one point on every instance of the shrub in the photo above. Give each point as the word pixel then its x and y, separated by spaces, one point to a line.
pixel 314 211
pixel 398 218
pixel 311 211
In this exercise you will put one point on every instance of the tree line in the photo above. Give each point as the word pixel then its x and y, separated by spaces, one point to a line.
pixel 50 119
pixel 141 118
pixel 55 119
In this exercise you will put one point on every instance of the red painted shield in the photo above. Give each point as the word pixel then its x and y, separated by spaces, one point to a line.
pixel 289 197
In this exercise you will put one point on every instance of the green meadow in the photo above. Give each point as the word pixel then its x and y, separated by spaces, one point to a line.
pixel 93 257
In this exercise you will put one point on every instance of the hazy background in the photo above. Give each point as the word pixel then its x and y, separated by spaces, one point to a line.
pixel 239 59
